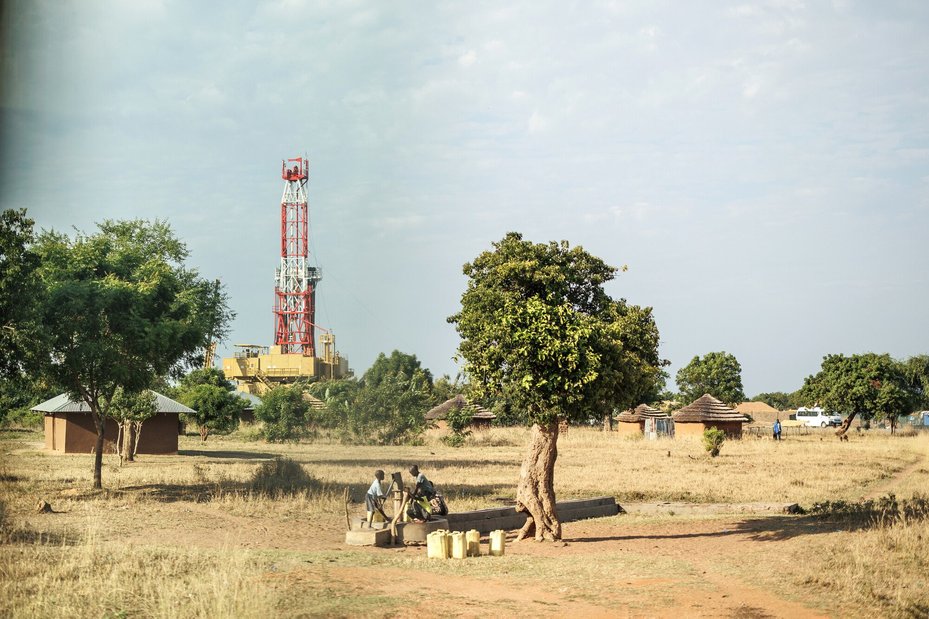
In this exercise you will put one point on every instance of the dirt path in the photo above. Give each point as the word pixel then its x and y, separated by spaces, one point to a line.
pixel 892 482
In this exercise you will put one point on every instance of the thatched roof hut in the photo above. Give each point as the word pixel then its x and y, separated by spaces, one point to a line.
pixel 760 412
pixel 708 412
pixel 480 416
pixel 632 421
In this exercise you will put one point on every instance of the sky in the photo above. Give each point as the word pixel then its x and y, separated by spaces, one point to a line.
pixel 762 168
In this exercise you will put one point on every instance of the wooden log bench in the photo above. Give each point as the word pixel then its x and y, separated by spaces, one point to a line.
pixel 507 518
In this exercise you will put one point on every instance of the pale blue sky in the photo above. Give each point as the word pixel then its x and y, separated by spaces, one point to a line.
pixel 762 168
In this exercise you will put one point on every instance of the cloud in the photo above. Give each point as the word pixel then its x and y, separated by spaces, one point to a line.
pixel 468 58
pixel 537 123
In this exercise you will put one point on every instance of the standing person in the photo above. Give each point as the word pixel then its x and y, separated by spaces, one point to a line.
pixel 777 429
pixel 374 496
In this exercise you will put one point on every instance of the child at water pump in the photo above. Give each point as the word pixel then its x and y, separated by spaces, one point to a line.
pixel 374 496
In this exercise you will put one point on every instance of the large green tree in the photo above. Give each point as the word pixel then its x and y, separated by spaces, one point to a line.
pixel 385 367
pixel 391 413
pixel 217 408
pixel 19 294
pixel 870 386
pixel 286 414
pixel 539 331
pixel 716 373
pixel 120 309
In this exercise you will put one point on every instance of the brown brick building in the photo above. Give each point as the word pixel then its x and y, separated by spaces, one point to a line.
pixel 69 427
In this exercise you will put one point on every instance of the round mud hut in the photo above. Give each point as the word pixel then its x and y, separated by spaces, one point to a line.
pixel 632 422
pixel 707 412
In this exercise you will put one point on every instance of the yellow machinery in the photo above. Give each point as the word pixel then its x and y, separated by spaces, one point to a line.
pixel 257 369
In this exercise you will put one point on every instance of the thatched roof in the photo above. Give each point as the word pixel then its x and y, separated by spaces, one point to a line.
pixel 641 412
pixel 458 402
pixel 707 408
pixel 755 408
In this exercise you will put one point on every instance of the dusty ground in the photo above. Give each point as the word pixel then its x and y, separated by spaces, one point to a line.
pixel 661 559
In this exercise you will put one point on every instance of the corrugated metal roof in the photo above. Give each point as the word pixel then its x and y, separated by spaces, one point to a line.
pixel 64 404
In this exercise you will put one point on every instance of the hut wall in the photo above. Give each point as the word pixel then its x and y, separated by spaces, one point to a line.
pixel 75 433
pixel 629 428
pixel 159 434
pixel 733 429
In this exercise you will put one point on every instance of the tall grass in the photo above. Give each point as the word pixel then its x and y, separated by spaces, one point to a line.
pixel 94 578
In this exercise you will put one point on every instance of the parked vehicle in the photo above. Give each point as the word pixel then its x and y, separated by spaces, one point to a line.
pixel 816 417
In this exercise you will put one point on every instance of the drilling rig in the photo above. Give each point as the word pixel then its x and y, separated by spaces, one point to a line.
pixel 256 368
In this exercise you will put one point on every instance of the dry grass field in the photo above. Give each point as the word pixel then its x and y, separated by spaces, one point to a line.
pixel 215 532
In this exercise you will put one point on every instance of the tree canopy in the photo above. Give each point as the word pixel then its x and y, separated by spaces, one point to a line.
pixel 19 293
pixel 217 407
pixel 870 386
pixel 385 367
pixel 539 331
pixel 716 373
pixel 121 309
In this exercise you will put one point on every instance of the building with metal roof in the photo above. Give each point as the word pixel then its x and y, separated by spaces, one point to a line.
pixel 69 426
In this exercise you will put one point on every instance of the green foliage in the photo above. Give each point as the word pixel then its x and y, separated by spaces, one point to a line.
pixel 208 376
pixel 218 407
pixel 713 439
pixel 444 388
pixel 916 372
pixel 716 373
pixel 120 309
pixel 780 400
pixel 539 332
pixel 286 414
pixel 870 385
pixel 392 413
pixel 217 410
pixel 459 422
pixel 132 406
pixel 385 367
pixel 18 394
pixel 20 296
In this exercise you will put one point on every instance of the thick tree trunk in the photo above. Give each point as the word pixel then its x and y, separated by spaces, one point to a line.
pixel 129 438
pixel 100 424
pixel 845 425
pixel 535 494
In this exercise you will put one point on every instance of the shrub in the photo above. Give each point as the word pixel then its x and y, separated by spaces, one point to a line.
pixel 713 439
pixel 280 476
pixel 285 413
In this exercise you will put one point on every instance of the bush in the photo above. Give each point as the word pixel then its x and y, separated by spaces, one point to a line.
pixel 23 418
pixel 280 476
pixel 888 509
pixel 713 439
pixel 285 413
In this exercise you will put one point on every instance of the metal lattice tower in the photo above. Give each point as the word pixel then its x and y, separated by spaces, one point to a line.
pixel 295 279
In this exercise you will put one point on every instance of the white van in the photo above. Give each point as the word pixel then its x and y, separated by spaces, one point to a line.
pixel 816 417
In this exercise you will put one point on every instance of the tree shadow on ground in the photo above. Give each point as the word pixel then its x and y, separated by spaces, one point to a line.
pixel 233 455
pixel 767 529
pixel 426 464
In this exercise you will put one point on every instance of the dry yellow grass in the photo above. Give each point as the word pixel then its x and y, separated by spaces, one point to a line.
pixel 172 533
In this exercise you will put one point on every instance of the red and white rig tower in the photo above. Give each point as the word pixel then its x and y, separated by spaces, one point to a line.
pixel 295 279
